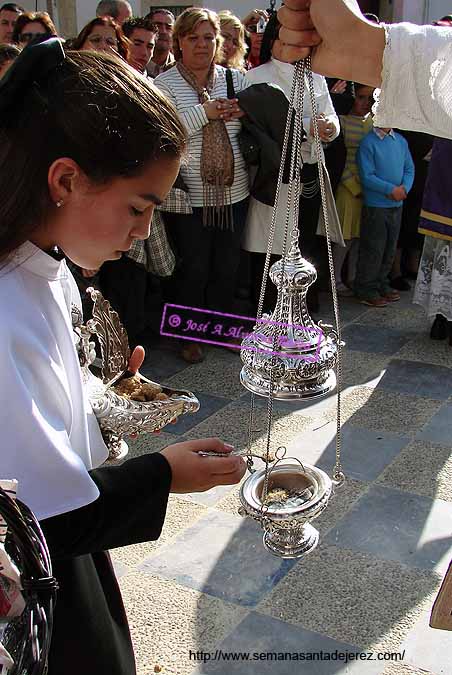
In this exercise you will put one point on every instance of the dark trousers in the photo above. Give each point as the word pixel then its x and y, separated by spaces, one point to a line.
pixel 124 283
pixel 380 229
pixel 209 259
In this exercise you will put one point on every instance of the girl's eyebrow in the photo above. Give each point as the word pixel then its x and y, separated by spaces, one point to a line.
pixel 149 197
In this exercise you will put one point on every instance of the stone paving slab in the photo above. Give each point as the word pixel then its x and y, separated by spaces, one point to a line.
pixel 161 364
pixel 382 410
pixel 366 452
pixel 168 620
pixel 419 379
pixel 428 351
pixel 219 375
pixel 438 430
pixel 209 405
pixel 400 526
pixel 216 555
pixel 410 319
pixel 385 538
pixel 422 468
pixel 231 424
pixel 352 596
pixel 279 648
pixel 179 515
pixel 379 340
pixel 428 648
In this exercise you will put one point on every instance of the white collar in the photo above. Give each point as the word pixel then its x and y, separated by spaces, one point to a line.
pixel 36 261
pixel 286 68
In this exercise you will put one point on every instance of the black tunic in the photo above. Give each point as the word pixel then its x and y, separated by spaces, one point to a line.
pixel 91 634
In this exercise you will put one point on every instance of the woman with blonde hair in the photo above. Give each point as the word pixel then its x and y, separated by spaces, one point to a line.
pixel 208 240
pixel 234 44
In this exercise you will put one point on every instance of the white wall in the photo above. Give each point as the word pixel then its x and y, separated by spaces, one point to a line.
pixel 86 10
pixel 238 7
pixel 420 11
pixel 413 11
pixel 30 5
pixel 436 9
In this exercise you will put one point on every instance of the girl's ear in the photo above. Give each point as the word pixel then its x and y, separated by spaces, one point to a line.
pixel 64 178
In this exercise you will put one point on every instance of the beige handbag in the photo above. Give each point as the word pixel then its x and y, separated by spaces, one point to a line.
pixel 334 224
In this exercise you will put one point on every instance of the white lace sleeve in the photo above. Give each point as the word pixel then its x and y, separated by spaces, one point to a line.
pixel 416 89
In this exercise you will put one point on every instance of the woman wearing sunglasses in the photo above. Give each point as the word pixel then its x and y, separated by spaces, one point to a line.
pixel 102 34
pixel 31 24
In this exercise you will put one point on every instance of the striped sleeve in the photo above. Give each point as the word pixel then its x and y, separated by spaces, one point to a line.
pixel 193 117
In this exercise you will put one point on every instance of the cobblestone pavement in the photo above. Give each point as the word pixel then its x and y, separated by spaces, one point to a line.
pixel 208 588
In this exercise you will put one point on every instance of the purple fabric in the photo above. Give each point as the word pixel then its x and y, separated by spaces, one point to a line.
pixel 438 191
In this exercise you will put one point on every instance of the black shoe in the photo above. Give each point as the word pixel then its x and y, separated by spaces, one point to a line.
pixel 449 326
pixel 400 284
pixel 440 329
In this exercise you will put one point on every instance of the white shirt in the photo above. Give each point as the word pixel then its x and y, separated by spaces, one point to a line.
pixel 194 118
pixel 255 236
pixel 280 73
pixel 50 437
pixel 416 91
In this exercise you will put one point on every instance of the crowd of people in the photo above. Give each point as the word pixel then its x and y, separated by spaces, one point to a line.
pixel 209 239
pixel 129 181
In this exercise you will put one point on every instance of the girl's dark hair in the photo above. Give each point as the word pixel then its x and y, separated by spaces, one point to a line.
pixel 30 17
pixel 270 35
pixel 123 44
pixel 8 53
pixel 92 108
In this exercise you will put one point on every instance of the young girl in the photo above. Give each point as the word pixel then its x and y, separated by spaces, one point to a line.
pixel 355 126
pixel 87 150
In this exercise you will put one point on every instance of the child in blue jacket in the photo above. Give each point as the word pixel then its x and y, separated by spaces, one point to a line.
pixel 387 173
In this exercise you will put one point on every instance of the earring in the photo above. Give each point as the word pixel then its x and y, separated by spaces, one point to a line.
pixel 59 203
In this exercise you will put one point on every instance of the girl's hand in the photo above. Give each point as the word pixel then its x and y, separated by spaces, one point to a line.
pixel 136 359
pixel 194 473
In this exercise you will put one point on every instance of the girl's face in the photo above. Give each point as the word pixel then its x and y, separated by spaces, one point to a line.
pixel 94 223
pixel 231 42
pixel 364 101
pixel 198 47
pixel 101 39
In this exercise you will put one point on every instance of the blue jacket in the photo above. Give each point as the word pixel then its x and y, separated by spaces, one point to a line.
pixel 383 165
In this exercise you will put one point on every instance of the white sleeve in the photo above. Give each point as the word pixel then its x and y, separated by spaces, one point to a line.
pixel 36 418
pixel 325 106
pixel 416 91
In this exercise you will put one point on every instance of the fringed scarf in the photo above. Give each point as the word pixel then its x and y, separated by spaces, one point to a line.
pixel 217 159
